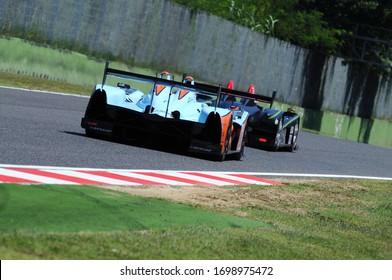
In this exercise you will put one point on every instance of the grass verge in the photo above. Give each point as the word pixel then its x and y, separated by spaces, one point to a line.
pixel 34 83
pixel 40 67
pixel 325 219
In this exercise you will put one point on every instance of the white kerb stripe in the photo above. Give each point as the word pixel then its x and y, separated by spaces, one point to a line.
pixel 151 178
pixel 201 179
pixel 97 178
pixel 37 178
pixel 244 180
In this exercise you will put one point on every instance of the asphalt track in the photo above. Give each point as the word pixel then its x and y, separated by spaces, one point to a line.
pixel 43 129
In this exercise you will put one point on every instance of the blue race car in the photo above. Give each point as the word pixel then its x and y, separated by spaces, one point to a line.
pixel 165 112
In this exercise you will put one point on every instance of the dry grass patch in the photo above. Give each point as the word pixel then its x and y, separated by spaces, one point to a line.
pixel 290 198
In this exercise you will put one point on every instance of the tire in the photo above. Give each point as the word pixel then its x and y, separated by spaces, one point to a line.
pixel 90 133
pixel 294 144
pixel 239 155
pixel 279 136
pixel 222 156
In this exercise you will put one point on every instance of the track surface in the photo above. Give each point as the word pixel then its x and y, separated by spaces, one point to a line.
pixel 39 128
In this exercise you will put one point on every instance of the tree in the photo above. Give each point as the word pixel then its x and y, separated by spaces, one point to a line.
pixel 315 24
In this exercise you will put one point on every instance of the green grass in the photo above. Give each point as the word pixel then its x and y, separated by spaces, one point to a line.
pixel 53 208
pixel 47 63
pixel 40 67
pixel 325 219
pixel 27 82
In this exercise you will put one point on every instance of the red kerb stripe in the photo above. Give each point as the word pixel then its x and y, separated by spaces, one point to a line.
pixel 124 178
pixel 216 178
pixel 10 179
pixel 257 179
pixel 173 178
pixel 58 176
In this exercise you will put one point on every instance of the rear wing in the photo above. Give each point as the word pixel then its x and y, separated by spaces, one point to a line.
pixel 216 90
pixel 257 97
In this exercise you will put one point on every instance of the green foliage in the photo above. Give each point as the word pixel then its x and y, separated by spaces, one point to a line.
pixel 278 18
pixel 307 23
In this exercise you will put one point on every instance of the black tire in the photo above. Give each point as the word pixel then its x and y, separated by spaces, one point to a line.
pixel 222 156
pixel 90 133
pixel 294 144
pixel 279 136
pixel 239 155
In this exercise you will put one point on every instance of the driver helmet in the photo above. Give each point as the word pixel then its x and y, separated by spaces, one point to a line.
pixel 251 89
pixel 230 85
pixel 165 75
pixel 189 80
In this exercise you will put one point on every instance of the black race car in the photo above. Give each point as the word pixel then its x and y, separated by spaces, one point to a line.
pixel 267 128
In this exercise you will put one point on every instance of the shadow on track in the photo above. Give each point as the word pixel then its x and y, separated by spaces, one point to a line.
pixel 176 147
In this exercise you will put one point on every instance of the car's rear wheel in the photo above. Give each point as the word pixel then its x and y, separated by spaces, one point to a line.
pixel 90 133
pixel 222 156
pixel 279 137
pixel 239 155
pixel 294 144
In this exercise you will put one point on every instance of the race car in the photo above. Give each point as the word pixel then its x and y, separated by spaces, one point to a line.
pixel 160 110
pixel 268 128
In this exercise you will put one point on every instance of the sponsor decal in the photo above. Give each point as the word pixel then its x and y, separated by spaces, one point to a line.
pixel 100 129
pixel 201 149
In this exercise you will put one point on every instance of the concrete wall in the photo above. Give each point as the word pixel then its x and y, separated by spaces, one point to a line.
pixel 161 34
